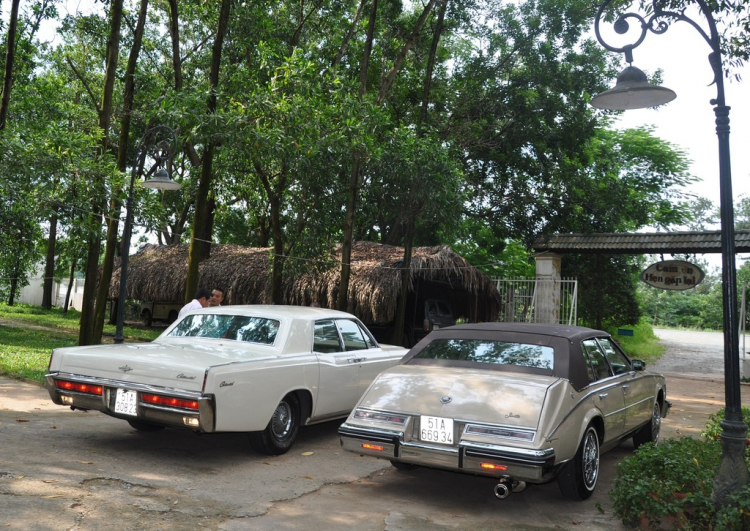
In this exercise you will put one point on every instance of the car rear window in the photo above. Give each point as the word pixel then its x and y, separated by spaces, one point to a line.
pixel 492 352
pixel 234 327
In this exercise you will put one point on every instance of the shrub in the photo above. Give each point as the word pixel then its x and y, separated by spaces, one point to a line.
pixel 713 427
pixel 673 481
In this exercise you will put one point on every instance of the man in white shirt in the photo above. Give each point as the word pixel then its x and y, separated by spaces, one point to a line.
pixel 200 301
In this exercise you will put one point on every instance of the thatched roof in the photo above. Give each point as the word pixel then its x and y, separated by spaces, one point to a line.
pixel 158 273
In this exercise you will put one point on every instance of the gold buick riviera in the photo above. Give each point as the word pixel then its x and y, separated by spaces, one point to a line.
pixel 521 403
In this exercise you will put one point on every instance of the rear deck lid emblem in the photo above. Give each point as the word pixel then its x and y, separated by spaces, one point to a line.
pixel 445 399
pixel 125 368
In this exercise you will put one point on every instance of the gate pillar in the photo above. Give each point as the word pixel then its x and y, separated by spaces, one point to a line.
pixel 548 286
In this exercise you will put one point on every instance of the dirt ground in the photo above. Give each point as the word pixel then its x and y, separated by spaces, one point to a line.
pixel 62 469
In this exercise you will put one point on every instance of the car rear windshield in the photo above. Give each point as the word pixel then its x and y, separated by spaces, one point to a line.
pixel 493 352
pixel 234 327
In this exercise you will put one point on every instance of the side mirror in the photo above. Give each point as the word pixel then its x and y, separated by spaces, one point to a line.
pixel 638 365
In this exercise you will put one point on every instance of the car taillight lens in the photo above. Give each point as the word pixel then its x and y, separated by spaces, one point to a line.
pixel 79 387
pixel 380 417
pixel 169 401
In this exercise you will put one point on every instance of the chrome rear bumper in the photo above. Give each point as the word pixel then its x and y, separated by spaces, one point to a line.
pixel 203 420
pixel 532 466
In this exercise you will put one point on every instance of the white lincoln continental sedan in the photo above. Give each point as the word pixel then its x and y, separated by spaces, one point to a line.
pixel 521 403
pixel 266 370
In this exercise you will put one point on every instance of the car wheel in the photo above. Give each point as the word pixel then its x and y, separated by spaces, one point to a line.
pixel 577 481
pixel 282 429
pixel 403 466
pixel 144 426
pixel 146 316
pixel 650 431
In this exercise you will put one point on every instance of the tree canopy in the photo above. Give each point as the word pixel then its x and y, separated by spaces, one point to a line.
pixel 306 125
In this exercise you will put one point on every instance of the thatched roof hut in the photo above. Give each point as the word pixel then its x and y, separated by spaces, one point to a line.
pixel 158 273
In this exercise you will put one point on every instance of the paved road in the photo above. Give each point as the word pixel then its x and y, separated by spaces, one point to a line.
pixel 62 469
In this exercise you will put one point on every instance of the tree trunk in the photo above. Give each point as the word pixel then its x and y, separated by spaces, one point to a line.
pixel 431 64
pixel 410 219
pixel 13 286
pixel 399 325
pixel 71 277
pixel 49 264
pixel 88 315
pixel 342 299
pixel 391 76
pixel 10 58
pixel 200 243
pixel 122 165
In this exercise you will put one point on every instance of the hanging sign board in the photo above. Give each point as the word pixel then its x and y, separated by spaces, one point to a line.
pixel 673 274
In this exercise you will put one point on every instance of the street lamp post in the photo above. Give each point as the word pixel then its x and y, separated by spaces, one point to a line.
pixel 633 92
pixel 158 143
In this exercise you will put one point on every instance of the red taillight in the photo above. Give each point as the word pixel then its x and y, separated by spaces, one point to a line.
pixel 169 401
pixel 79 387
pixel 490 466
pixel 368 446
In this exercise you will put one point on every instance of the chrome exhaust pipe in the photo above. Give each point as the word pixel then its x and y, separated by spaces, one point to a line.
pixel 502 490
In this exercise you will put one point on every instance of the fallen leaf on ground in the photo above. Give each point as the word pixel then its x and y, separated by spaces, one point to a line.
pixel 306 477
pixel 50 480
pixel 53 496
pixel 21 420
pixel 307 453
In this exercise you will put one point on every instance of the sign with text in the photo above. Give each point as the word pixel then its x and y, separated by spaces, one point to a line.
pixel 673 274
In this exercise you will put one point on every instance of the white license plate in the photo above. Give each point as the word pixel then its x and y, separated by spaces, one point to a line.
pixel 436 429
pixel 125 402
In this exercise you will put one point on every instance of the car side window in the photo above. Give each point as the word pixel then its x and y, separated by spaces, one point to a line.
pixel 326 337
pixel 369 340
pixel 597 363
pixel 619 362
pixel 353 338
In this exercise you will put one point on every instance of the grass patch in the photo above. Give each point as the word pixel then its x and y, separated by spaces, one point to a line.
pixel 25 351
pixel 642 345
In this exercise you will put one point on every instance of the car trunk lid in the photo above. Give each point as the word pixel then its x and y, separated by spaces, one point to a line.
pixel 181 365
pixel 511 399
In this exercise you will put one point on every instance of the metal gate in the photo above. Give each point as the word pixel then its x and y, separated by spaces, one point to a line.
pixel 520 304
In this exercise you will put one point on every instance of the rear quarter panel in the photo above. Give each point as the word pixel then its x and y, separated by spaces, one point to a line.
pixel 247 393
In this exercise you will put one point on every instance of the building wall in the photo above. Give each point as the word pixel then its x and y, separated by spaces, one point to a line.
pixel 32 294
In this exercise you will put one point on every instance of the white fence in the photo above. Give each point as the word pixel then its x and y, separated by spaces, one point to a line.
pixel 522 300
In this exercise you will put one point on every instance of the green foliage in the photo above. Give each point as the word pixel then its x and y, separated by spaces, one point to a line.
pixel 24 352
pixel 607 287
pixel 672 484
pixel 713 429
pixel 642 345
pixel 673 479
pixel 734 514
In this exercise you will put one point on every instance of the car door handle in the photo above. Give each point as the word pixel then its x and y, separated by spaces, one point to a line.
pixel 625 387
pixel 603 395
pixel 355 360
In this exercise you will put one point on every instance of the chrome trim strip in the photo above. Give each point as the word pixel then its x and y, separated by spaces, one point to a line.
pixel 436 449
pixel 522 453
pixel 360 431
pixel 499 427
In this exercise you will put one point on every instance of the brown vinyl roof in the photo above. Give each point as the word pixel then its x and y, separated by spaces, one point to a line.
pixel 641 243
